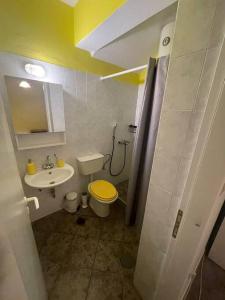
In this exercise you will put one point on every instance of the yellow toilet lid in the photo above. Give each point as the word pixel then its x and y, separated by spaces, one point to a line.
pixel 103 190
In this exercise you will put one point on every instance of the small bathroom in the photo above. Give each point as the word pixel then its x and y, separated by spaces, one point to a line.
pixel 70 122
pixel 64 127
pixel 102 116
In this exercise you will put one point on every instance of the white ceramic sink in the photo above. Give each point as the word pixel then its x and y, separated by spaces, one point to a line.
pixel 49 178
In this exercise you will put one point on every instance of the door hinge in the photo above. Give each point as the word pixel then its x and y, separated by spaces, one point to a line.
pixel 177 223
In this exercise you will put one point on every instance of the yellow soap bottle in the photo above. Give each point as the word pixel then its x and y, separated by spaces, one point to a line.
pixel 31 168
pixel 59 162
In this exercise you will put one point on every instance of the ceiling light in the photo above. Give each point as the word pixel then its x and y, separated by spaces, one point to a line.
pixel 35 70
pixel 70 2
pixel 24 84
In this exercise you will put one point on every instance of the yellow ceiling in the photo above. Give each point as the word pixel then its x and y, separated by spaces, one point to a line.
pixel 44 30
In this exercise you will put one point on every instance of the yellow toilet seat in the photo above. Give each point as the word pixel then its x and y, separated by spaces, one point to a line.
pixel 103 191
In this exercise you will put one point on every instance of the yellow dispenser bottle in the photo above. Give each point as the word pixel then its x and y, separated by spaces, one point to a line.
pixel 31 167
pixel 59 162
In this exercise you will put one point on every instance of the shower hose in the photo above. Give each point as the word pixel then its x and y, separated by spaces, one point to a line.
pixel 111 159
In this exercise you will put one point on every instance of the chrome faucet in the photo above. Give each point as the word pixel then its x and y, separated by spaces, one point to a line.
pixel 48 163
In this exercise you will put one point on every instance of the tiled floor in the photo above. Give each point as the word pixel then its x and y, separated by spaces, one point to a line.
pixel 83 261
pixel 213 283
pixel 122 189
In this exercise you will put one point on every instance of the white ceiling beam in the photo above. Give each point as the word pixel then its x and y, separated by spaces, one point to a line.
pixel 128 16
pixel 134 48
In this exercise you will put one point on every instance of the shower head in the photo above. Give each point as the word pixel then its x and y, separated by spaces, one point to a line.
pixel 114 129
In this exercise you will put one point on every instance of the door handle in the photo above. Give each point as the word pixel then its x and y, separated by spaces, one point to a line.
pixel 34 199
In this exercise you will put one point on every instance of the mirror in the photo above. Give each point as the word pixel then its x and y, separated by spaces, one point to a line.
pixel 36 106
pixel 27 103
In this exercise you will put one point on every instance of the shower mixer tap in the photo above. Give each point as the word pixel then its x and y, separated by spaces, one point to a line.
pixel 124 142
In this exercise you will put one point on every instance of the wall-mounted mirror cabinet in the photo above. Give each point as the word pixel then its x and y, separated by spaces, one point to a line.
pixel 36 109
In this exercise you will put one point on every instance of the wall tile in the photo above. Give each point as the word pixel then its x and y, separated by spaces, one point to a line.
pixel 145 278
pixel 192 134
pixel 183 170
pixel 81 87
pixel 193 26
pixel 158 202
pixel 69 84
pixel 164 171
pixel 183 80
pixel 207 77
pixel 139 103
pixel 173 125
pixel 159 233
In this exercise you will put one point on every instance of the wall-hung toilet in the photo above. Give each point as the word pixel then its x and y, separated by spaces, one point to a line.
pixel 102 192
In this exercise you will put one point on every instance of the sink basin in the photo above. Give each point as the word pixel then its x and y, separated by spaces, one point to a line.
pixel 49 178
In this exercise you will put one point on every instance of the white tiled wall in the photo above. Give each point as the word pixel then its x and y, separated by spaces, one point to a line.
pixel 91 108
pixel 199 31
pixel 139 103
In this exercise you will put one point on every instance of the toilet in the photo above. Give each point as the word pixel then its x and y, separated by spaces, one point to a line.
pixel 102 192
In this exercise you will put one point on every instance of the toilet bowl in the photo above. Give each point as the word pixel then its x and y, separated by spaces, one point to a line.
pixel 103 193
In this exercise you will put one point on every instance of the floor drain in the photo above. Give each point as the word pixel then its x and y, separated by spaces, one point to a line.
pixel 81 221
pixel 127 261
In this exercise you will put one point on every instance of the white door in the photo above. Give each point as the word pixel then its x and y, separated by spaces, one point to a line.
pixel 20 271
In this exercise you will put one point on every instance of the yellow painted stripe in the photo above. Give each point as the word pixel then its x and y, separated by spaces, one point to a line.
pixel 44 30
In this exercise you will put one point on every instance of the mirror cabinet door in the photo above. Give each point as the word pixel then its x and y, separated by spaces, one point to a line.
pixel 36 106
pixel 54 107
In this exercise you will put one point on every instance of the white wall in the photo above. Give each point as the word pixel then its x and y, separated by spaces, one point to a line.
pixel 139 104
pixel 91 108
pixel 193 61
